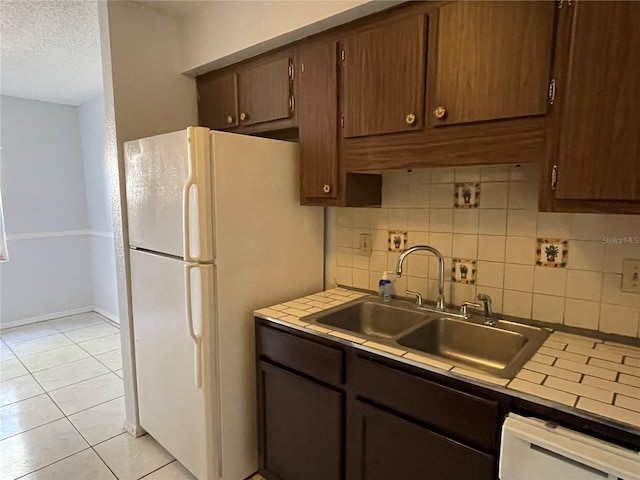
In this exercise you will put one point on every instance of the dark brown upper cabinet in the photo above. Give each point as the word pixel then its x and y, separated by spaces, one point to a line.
pixel 252 97
pixel 218 101
pixel 317 93
pixel 493 61
pixel 265 91
pixel 599 132
pixel 383 72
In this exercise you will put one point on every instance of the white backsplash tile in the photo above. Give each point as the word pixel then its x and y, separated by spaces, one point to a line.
pixel 501 235
pixel 583 284
pixel 522 223
pixel 519 277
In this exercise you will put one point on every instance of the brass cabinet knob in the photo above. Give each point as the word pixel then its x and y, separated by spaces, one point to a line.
pixel 410 119
pixel 243 116
pixel 229 119
pixel 440 112
pixel 326 188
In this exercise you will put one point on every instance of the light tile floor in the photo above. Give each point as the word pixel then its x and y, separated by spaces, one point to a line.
pixel 62 406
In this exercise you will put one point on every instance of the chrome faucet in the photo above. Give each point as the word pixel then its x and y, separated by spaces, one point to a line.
pixel 486 300
pixel 440 300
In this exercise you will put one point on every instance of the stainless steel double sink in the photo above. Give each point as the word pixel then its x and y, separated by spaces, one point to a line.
pixel 499 350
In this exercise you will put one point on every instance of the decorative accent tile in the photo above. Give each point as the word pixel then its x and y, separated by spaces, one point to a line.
pixel 466 195
pixel 552 252
pixel 463 270
pixel 398 241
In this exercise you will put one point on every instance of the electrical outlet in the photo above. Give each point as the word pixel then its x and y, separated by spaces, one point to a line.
pixel 630 275
pixel 365 244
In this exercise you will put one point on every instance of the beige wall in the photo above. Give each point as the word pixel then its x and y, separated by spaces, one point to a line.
pixel 219 33
pixel 501 235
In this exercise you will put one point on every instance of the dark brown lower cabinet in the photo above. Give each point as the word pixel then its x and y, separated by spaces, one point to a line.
pixel 386 446
pixel 300 427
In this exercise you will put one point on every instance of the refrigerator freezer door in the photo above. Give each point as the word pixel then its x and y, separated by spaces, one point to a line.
pixel 168 184
pixel 171 317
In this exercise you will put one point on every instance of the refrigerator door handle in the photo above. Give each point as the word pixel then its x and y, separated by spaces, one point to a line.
pixel 197 339
pixel 192 181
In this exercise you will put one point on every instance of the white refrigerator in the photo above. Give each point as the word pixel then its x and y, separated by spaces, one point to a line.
pixel 216 230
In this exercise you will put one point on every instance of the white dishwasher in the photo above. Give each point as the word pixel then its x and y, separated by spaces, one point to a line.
pixel 533 449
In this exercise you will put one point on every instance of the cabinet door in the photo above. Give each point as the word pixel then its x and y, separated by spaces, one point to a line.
pixel 318 120
pixel 218 101
pixel 493 61
pixel 300 426
pixel 599 146
pixel 385 446
pixel 265 92
pixel 384 78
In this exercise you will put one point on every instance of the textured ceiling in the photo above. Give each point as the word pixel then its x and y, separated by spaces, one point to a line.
pixel 50 50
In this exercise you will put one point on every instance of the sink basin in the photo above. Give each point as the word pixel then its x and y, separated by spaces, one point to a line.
pixel 373 319
pixel 499 351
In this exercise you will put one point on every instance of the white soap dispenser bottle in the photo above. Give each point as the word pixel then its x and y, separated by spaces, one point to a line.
pixel 384 287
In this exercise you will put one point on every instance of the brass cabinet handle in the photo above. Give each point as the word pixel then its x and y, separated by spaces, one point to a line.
pixel 440 112
pixel 243 116
pixel 229 119
pixel 410 119
pixel 326 188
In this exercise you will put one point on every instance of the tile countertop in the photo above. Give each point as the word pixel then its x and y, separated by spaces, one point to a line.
pixel 569 372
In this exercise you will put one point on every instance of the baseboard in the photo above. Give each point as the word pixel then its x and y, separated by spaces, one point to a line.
pixel 135 430
pixel 44 318
pixel 110 316
pixel 51 316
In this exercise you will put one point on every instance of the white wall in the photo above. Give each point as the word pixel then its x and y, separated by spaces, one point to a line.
pixel 145 94
pixel 96 181
pixel 220 33
pixel 45 212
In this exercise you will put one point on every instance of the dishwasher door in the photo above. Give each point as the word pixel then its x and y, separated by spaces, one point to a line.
pixel 532 449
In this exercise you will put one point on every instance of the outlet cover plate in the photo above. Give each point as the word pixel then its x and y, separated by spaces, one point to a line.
pixel 630 276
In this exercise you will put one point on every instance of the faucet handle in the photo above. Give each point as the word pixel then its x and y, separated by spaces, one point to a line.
pixel 464 308
pixel 486 300
pixel 417 295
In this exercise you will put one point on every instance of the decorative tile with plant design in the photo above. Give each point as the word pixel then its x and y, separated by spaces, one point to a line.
pixel 398 241
pixel 466 195
pixel 463 270
pixel 552 252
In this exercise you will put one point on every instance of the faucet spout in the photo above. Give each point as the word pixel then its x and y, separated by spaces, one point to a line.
pixel 440 302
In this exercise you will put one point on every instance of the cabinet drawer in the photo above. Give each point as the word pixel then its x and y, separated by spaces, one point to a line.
pixel 463 416
pixel 308 357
